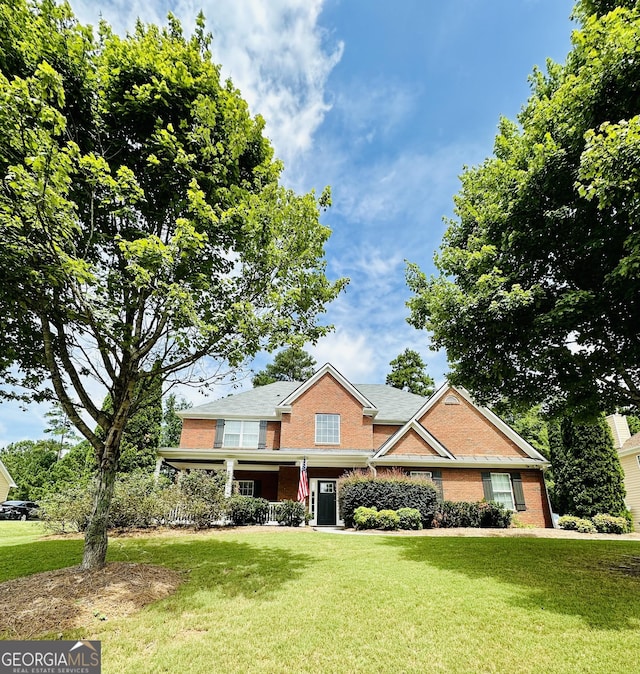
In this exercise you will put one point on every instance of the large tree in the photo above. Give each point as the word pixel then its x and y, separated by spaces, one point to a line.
pixel 143 224
pixel 588 478
pixel 409 373
pixel 538 297
pixel 291 364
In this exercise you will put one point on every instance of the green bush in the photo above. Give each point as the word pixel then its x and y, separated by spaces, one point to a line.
pixel 200 497
pixel 388 520
pixel 409 518
pixel 483 514
pixel 572 523
pixel 290 513
pixel 138 501
pixel 494 515
pixel 387 491
pixel 243 510
pixel 66 511
pixel 608 524
pixel 365 518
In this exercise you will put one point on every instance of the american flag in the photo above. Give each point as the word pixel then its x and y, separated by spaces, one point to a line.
pixel 303 485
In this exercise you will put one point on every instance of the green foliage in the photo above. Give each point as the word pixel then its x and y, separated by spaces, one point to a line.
pixel 143 225
pixel 608 524
pixel 59 425
pixel 171 422
pixel 409 518
pixel 30 464
pixel 580 524
pixel 634 423
pixel 387 491
pixel 292 364
pixel 530 424
pixel 290 513
pixel 539 270
pixel 481 514
pixel 67 510
pixel 408 373
pixel 586 467
pixel 365 518
pixel 388 520
pixel 243 510
pixel 201 496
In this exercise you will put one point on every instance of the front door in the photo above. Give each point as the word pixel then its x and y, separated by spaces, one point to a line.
pixel 326 503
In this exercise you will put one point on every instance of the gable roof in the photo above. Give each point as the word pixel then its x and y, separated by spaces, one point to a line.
pixel 6 475
pixel 393 405
pixel 327 369
pixel 492 418
pixel 414 425
pixel 631 446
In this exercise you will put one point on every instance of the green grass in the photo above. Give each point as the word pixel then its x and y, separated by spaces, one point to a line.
pixel 280 602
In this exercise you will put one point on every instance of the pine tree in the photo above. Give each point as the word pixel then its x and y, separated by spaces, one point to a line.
pixel 408 373
pixel 292 364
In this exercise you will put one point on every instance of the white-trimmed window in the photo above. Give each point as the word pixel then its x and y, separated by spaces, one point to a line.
pixel 426 474
pixel 245 487
pixel 241 434
pixel 328 429
pixel 502 492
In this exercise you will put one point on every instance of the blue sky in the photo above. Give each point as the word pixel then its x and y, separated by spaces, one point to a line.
pixel 384 101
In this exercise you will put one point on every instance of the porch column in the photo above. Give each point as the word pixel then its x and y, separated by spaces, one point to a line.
pixel 228 488
pixel 156 472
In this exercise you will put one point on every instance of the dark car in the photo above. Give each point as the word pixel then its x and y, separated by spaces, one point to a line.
pixel 19 510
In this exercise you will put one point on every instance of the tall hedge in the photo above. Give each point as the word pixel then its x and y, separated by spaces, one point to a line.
pixel 386 491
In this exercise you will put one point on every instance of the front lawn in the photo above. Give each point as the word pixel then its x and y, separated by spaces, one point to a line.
pixel 302 601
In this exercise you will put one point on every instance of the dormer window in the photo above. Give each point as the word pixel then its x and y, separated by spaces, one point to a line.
pixel 241 434
pixel 327 429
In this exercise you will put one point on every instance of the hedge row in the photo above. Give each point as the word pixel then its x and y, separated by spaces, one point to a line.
pixel 601 524
pixel 388 520
pixel 386 491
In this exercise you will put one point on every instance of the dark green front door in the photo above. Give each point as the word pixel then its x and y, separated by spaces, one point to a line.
pixel 326 502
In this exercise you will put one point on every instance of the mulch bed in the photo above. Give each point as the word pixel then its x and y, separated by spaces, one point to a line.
pixel 52 602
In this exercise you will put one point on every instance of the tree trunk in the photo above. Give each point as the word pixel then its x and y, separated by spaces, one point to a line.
pixel 95 538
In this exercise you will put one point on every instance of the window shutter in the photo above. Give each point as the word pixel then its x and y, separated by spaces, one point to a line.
pixel 518 491
pixel 257 488
pixel 219 434
pixel 436 478
pixel 486 485
pixel 262 438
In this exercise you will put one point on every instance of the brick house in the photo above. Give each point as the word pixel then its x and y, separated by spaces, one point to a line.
pixel 260 438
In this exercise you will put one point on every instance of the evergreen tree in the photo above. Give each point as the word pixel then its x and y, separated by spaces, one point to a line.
pixel 30 464
pixel 292 364
pixel 408 373
pixel 588 476
pixel 59 425
pixel 171 422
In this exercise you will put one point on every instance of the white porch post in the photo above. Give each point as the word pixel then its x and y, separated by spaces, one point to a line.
pixel 228 488
pixel 156 472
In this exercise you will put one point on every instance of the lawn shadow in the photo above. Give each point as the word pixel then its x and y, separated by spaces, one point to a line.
pixel 578 578
pixel 229 567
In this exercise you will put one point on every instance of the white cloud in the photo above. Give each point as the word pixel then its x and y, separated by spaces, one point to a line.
pixel 275 52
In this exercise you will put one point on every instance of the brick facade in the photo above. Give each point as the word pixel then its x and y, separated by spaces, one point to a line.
pixel 327 396
pixel 465 431
pixel 412 443
pixel 198 433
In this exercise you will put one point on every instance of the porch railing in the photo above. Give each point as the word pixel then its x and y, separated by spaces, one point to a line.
pixel 181 516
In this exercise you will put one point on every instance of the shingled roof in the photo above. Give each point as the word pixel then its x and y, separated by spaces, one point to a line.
pixel 393 405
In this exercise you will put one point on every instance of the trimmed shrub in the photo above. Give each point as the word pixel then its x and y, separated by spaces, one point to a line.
pixel 482 514
pixel 243 510
pixel 290 513
pixel 494 515
pixel 387 491
pixel 409 518
pixel 571 523
pixel 453 514
pixel 388 520
pixel 137 502
pixel 608 524
pixel 365 518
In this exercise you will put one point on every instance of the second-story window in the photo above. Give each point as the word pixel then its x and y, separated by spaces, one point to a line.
pixel 241 434
pixel 328 429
